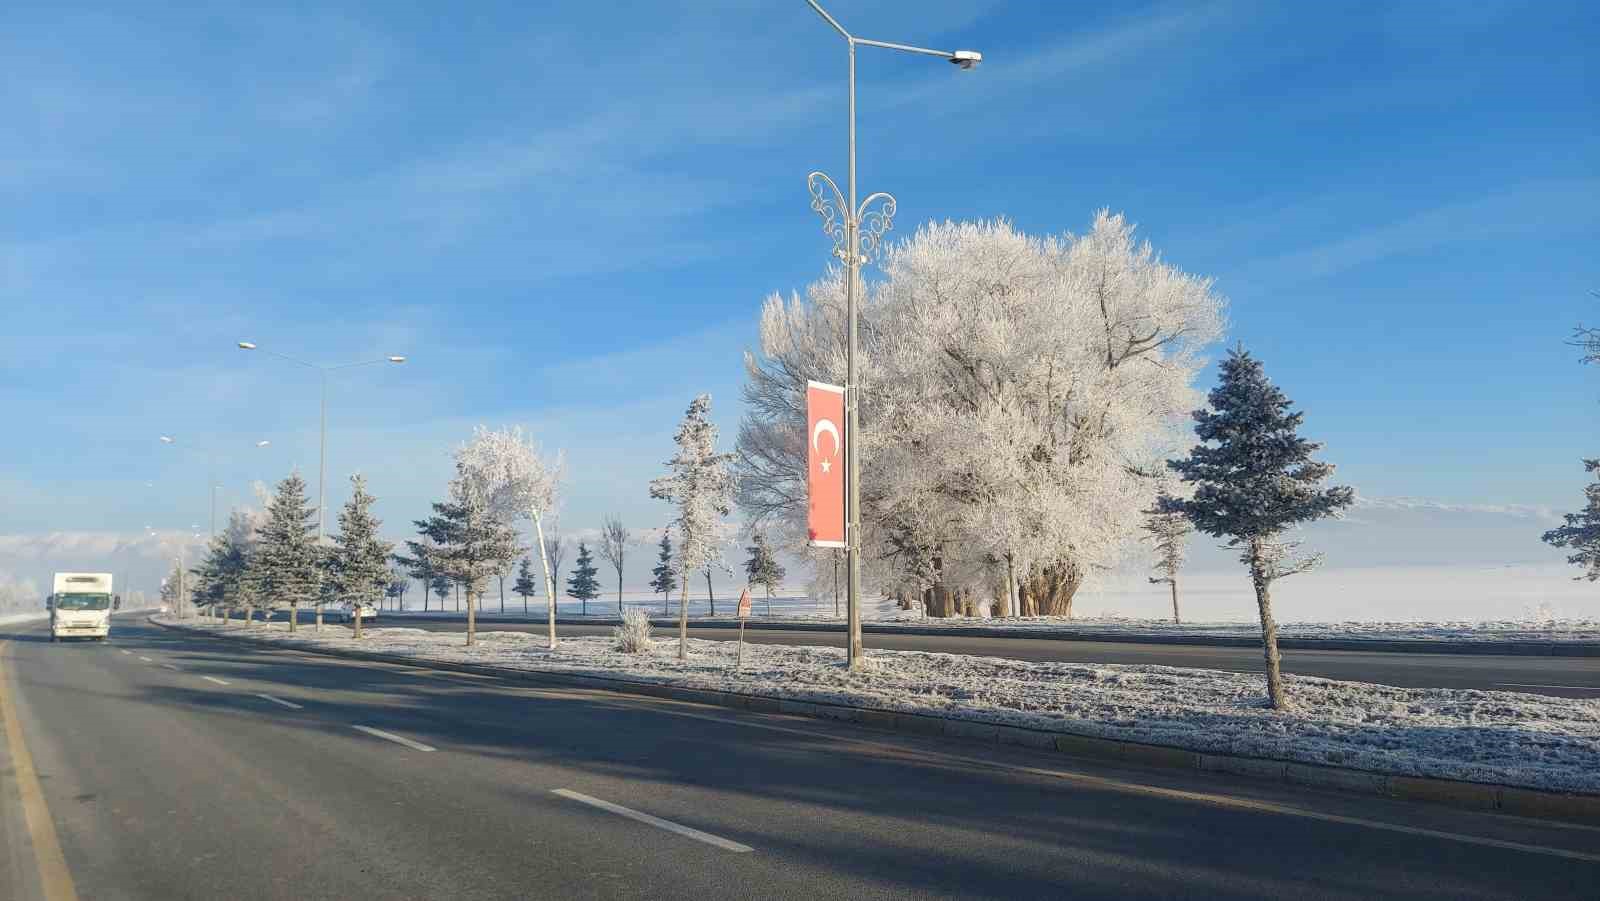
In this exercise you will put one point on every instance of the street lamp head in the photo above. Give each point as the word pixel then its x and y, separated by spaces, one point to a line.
pixel 247 345
pixel 262 443
pixel 397 359
pixel 966 59
pixel 166 439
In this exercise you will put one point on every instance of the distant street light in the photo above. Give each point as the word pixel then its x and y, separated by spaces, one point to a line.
pixel 322 454
pixel 211 477
pixel 843 220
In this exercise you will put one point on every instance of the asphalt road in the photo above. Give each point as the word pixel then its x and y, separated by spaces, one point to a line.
pixel 1575 677
pixel 166 774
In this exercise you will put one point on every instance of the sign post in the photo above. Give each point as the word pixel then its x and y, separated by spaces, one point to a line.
pixel 744 614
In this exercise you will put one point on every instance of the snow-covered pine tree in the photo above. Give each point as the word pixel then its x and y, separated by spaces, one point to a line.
pixel 1169 532
pixel 441 588
pixel 288 570
pixel 421 563
pixel 583 585
pixel 471 539
pixel 762 567
pixel 525 585
pixel 700 483
pixel 664 577
pixel 1257 481
pixel 361 558
pixel 613 548
pixel 1581 533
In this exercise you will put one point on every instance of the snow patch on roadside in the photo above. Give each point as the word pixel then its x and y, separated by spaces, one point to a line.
pixel 1483 736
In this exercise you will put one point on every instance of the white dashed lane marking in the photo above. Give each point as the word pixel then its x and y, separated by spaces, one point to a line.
pixel 399 740
pixel 281 702
pixel 214 679
pixel 630 813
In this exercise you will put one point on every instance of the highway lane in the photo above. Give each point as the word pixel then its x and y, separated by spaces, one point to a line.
pixel 1575 677
pixel 175 783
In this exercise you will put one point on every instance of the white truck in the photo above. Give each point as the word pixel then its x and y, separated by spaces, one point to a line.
pixel 80 606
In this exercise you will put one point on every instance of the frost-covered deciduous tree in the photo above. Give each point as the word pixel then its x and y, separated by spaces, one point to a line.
pixel 399 583
pixel 1169 532
pixel 520 484
pixel 471 539
pixel 1581 533
pixel 613 548
pixel 1018 395
pixel 360 558
pixel 288 561
pixel 699 482
pixel 664 577
pixel 1254 480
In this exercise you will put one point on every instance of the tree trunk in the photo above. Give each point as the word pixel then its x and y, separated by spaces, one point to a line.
pixel 683 618
pixel 709 593
pixel 549 583
pixel 472 616
pixel 1049 590
pixel 294 615
pixel 458 597
pixel 1175 620
pixel 358 621
pixel 619 591
pixel 769 602
pixel 1011 585
pixel 1269 629
pixel 502 594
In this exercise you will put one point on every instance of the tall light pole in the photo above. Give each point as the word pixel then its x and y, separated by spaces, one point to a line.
pixel 211 476
pixel 322 454
pixel 844 221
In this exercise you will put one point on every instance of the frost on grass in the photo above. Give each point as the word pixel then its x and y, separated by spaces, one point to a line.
pixel 633 636
pixel 1483 736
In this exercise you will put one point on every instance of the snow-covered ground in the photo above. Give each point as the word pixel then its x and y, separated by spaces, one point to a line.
pixel 884 613
pixel 22 618
pixel 1496 737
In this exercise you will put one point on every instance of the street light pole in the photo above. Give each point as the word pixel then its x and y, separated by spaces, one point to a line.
pixel 322 440
pixel 843 220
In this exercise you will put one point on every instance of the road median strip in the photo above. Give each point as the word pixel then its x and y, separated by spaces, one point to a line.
pixel 1528 802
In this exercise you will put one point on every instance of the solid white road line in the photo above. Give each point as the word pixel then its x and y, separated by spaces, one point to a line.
pixel 214 679
pixel 169 666
pixel 147 660
pixel 126 651
pixel 1536 685
pixel 280 701
pixel 399 740
pixel 657 822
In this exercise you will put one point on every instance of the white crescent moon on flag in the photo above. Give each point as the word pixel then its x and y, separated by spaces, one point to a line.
pixel 825 425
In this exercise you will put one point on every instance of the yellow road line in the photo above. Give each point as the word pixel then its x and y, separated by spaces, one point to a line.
pixel 54 877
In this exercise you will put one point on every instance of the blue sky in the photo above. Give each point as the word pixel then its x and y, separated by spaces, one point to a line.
pixel 568 214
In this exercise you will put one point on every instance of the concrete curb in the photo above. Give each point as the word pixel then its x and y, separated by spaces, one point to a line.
pixel 1390 645
pixel 1513 800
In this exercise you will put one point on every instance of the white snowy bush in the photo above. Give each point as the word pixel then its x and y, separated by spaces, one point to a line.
pixel 633 636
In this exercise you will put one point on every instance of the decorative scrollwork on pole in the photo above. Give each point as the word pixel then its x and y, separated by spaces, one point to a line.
pixel 872 223
pixel 828 202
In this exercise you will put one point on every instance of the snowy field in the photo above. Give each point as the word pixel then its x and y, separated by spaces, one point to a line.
pixel 1494 737
pixel 882 612
pixel 22 618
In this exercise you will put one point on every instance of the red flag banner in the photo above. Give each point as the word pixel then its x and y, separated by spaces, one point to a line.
pixel 825 464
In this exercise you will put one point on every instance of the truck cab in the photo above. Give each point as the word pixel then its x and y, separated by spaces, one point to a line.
pixel 81 605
